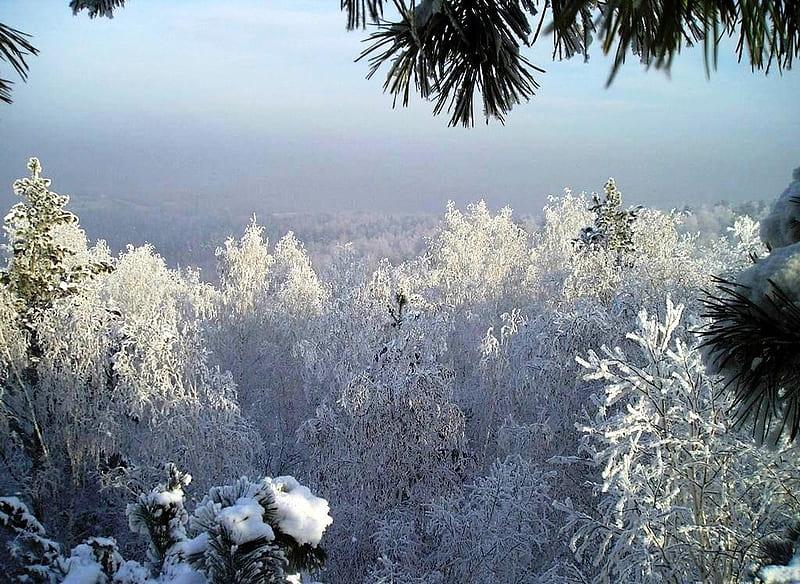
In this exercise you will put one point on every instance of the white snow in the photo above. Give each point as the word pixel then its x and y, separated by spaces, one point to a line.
pixel 166 498
pixel 782 267
pixel 196 545
pixel 781 574
pixel 782 226
pixel 131 572
pixel 245 521
pixel 182 574
pixel 300 513
pixel 16 506
pixel 82 568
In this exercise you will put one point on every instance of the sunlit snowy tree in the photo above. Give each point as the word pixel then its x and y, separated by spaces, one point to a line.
pixel 681 497
pixel 266 303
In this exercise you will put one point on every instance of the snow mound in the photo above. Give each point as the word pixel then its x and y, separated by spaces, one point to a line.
pixel 299 512
pixel 782 226
pixel 780 269
pixel 244 521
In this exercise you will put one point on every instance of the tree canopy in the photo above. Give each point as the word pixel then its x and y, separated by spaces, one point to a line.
pixel 450 51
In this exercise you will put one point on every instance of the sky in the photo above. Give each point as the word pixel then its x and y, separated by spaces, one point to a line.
pixel 243 101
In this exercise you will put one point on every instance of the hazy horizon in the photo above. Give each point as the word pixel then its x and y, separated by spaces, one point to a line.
pixel 248 101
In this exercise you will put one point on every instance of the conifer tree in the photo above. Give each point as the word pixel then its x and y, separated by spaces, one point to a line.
pixel 613 225
pixel 41 269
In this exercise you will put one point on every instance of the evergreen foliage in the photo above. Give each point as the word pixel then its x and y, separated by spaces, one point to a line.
pixel 452 49
pixel 613 226
pixel 14 47
pixel 41 268
pixel 27 552
pixel 237 538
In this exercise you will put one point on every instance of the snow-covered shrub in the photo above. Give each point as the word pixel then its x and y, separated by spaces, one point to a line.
pixel 498 529
pixel 391 437
pixel 681 498
pixel 268 531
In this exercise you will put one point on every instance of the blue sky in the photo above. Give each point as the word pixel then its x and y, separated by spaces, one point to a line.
pixel 245 100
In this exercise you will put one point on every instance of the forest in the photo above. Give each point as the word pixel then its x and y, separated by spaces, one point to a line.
pixel 513 402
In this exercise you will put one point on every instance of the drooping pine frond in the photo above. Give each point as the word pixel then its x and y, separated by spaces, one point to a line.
pixel 452 49
pixel 359 11
pixel 97 7
pixel 756 346
pixel 14 47
pixel 768 31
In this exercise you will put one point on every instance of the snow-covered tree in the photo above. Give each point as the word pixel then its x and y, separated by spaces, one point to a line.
pixel 392 437
pixel 682 498
pixel 613 226
pixel 498 529
pixel 477 257
pixel 263 311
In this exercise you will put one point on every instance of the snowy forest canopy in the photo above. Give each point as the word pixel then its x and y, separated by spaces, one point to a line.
pixel 512 403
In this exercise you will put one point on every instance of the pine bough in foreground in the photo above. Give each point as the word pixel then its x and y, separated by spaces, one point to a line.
pixel 753 339
pixel 260 532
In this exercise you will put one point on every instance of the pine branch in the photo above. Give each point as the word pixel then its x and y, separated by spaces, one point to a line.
pixel 14 47
pixel 756 346
pixel 452 49
pixel 96 7
pixel 359 10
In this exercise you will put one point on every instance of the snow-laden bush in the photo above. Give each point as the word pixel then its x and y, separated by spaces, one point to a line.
pixel 261 532
pixel 392 437
pixel 498 529
pixel 681 497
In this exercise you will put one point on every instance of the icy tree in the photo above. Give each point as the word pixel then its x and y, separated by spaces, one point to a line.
pixel 392 437
pixel 498 529
pixel 681 497
pixel 48 265
pixel 263 311
pixel 613 226
pixel 477 257
pixel 42 268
